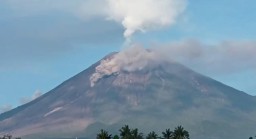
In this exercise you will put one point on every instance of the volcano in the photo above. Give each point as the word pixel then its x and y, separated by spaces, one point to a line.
pixel 160 94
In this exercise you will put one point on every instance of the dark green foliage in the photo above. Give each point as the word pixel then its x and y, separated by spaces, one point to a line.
pixel 167 134
pixel 180 133
pixel 8 136
pixel 127 133
pixel 135 134
pixel 103 135
pixel 152 135
pixel 116 137
pixel 250 137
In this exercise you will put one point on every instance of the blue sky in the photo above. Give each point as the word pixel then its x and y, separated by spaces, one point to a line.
pixel 43 43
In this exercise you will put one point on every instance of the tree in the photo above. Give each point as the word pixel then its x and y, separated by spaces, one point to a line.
pixel 116 137
pixel 180 133
pixel 7 136
pixel 152 135
pixel 167 134
pixel 103 135
pixel 125 132
pixel 250 137
pixel 135 134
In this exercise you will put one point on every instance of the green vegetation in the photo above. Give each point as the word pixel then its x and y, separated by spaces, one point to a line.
pixel 7 136
pixel 103 135
pixel 127 133
pixel 180 133
pixel 152 135
pixel 251 137
pixel 167 134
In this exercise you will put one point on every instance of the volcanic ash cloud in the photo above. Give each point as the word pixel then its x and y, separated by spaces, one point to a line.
pixel 143 15
pixel 134 58
pixel 137 15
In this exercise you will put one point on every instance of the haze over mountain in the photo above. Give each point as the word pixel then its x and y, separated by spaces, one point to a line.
pixel 138 88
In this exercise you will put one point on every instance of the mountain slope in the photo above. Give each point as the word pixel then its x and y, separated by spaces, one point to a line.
pixel 160 95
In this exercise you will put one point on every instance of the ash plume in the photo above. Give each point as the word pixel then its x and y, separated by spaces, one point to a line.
pixel 143 15
pixel 134 15
pixel 131 59
pixel 219 58
pixel 137 15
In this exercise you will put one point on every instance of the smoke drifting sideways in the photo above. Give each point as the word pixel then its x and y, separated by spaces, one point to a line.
pixel 225 58
pixel 133 58
pixel 222 58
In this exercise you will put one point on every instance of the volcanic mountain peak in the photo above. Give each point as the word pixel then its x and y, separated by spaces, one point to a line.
pixel 138 88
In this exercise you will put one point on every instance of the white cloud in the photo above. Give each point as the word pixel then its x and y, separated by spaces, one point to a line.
pixel 143 15
pixel 36 95
pixel 5 108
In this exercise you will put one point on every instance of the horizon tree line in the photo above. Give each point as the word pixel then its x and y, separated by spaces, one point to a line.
pixel 127 133
pixel 8 136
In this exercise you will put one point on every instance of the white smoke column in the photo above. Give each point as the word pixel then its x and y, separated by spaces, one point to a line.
pixel 134 58
pixel 134 15
pixel 143 15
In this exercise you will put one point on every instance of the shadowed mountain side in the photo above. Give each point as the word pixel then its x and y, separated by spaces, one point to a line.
pixel 161 95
